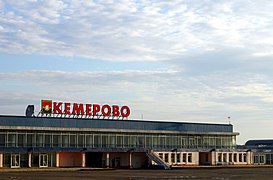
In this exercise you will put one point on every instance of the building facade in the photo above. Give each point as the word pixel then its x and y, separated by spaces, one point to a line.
pixel 85 142
pixel 262 151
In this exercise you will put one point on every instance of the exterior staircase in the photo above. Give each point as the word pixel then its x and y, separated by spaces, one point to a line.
pixel 154 157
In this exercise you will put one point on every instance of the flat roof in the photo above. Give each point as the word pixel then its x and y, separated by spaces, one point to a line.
pixel 131 125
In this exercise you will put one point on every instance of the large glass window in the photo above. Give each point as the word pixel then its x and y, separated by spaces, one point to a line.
pixel 108 139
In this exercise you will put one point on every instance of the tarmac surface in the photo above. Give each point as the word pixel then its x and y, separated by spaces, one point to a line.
pixel 261 173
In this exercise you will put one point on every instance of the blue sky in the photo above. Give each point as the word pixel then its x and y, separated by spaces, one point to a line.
pixel 189 60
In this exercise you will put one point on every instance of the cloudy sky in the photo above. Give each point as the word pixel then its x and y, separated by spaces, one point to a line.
pixel 180 60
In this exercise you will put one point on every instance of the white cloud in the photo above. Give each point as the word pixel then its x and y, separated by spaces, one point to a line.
pixel 129 30
pixel 218 55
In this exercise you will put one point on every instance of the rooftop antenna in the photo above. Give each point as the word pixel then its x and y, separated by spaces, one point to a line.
pixel 141 116
pixel 229 120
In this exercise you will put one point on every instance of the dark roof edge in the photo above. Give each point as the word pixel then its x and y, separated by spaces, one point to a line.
pixel 134 120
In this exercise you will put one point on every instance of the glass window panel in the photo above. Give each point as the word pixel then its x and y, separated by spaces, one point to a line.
pixel 104 141
pixel 168 141
pixel 141 140
pixel 162 141
pixel 30 139
pixel 173 158
pixel 11 140
pixel 22 138
pixel 48 140
pixel 218 142
pixel 97 140
pixel 166 157
pixel 235 157
pixel 57 140
pixel 65 140
pixel 73 140
pixel 133 141
pixel 149 141
pixel 81 140
pixel 189 157
pixel 119 141
pixel 126 141
pixel 174 141
pixel 2 140
pixel 39 140
pixel 89 140
pixel 184 141
pixel 178 157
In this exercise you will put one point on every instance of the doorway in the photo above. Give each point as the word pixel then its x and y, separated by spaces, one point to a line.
pixel 15 160
pixel 93 159
pixel 43 160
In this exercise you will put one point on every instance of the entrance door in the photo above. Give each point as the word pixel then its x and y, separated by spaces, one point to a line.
pixel 43 160
pixel 15 160
pixel 115 162
pixel 93 159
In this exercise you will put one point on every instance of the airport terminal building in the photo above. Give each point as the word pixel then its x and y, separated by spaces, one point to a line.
pixel 79 140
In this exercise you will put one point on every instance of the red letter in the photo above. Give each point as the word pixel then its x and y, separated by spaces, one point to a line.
pixel 125 111
pixel 96 109
pixel 78 109
pixel 108 112
pixel 66 108
pixel 57 106
pixel 115 111
pixel 88 109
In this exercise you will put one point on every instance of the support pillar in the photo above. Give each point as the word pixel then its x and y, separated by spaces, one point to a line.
pixel 107 160
pixel 1 160
pixel 130 160
pixel 213 158
pixel 29 159
pixel 248 157
pixel 83 160
pixel 57 159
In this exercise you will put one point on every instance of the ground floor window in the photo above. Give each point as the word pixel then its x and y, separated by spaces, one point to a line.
pixel 189 157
